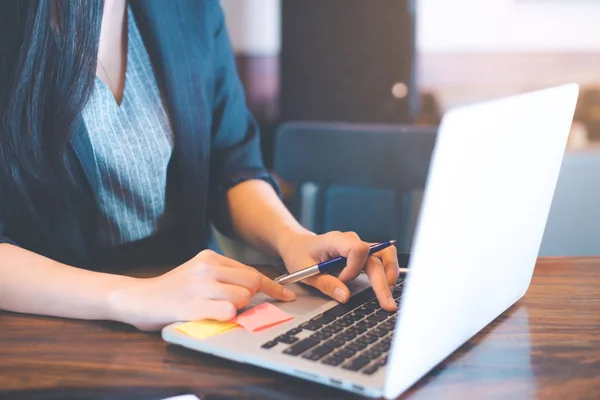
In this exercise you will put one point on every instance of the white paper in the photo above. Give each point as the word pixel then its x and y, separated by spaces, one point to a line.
pixel 183 397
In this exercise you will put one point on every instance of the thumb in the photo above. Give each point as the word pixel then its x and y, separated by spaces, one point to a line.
pixel 331 286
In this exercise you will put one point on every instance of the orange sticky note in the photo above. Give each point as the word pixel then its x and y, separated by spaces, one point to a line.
pixel 205 329
pixel 261 317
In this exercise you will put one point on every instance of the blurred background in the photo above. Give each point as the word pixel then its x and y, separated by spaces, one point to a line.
pixel 393 64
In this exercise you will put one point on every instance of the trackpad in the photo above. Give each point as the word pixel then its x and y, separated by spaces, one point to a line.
pixel 308 298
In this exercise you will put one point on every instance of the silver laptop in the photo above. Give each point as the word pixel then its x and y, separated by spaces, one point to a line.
pixel 490 185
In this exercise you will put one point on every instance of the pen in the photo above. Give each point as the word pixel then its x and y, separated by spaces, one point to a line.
pixel 327 266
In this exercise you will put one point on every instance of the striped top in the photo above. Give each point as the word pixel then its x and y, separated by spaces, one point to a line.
pixel 132 144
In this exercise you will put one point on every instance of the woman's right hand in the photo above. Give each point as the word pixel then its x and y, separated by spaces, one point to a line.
pixel 209 286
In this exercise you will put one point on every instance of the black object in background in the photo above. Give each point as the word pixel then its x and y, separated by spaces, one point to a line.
pixel 366 178
pixel 348 60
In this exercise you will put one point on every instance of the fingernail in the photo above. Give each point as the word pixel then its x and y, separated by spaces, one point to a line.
pixel 339 295
pixel 391 302
pixel 288 293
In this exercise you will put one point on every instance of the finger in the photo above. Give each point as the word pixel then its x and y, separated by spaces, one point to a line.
pixel 389 258
pixel 212 309
pixel 248 278
pixel 238 296
pixel 379 282
pixel 350 246
pixel 275 290
pixel 253 280
pixel 331 286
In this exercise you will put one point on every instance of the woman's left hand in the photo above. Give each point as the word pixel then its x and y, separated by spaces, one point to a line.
pixel 302 250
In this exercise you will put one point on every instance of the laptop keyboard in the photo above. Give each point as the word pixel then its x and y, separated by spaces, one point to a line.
pixel 355 336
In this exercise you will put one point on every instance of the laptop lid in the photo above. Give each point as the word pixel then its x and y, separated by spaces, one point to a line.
pixel 490 186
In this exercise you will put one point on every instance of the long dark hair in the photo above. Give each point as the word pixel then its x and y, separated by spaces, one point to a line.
pixel 48 55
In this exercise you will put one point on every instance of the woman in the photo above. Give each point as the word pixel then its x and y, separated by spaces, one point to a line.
pixel 123 135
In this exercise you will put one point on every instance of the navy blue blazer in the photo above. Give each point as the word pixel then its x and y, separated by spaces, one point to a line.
pixel 216 138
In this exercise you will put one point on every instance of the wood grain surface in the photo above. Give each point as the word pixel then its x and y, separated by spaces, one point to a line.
pixel 547 346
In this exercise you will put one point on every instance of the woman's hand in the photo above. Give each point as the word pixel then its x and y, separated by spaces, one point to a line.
pixel 209 286
pixel 301 250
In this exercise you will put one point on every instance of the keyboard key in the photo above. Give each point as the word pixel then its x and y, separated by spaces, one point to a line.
pixel 345 353
pixel 345 323
pixel 356 363
pixel 356 346
pixel 382 352
pixel 317 353
pixel 287 339
pixel 336 324
pixel 352 329
pixel 301 347
pixel 334 343
pixel 371 370
pixel 333 361
pixel 382 361
pixel 361 339
pixel 376 318
pixel 379 331
pixel 368 323
pixel 353 317
pixel 369 308
pixel 333 328
pixel 310 326
pixel 339 310
pixel 382 345
pixel 294 331
pixel 347 336
pixel 323 319
pixel 370 338
pixel 311 356
pixel 374 303
pixel 270 344
pixel 320 335
pixel 359 317
pixel 387 340
pixel 389 326
pixel 354 302
pixel 372 354
pixel 383 313
pixel 360 328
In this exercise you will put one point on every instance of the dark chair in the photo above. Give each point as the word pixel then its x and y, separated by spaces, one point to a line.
pixel 364 178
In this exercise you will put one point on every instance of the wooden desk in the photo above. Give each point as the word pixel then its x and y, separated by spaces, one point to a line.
pixel 546 347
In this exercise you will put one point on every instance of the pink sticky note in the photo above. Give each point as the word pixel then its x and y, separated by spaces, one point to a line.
pixel 261 317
